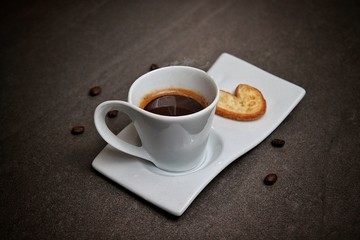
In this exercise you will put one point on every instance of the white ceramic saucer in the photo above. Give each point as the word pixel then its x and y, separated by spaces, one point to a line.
pixel 174 192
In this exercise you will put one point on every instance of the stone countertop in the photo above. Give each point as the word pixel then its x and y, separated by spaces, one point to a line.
pixel 53 53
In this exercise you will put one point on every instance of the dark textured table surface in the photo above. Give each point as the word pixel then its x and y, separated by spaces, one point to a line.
pixel 53 53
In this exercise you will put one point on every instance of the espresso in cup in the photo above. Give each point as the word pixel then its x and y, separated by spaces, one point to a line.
pixel 173 102
pixel 172 109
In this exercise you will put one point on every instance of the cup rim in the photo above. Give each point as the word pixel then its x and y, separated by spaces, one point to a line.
pixel 211 106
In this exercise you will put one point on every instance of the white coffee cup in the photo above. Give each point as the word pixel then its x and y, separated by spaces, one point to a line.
pixel 172 143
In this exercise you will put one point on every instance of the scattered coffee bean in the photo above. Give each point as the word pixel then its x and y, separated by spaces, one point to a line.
pixel 153 66
pixel 112 113
pixel 270 179
pixel 95 91
pixel 77 130
pixel 277 142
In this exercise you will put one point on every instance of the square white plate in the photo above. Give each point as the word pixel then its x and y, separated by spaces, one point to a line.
pixel 228 141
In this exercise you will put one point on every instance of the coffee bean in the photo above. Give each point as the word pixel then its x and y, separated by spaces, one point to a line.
pixel 77 130
pixel 95 91
pixel 270 179
pixel 277 142
pixel 153 66
pixel 112 113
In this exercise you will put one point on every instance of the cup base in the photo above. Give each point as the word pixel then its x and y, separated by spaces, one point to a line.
pixel 212 151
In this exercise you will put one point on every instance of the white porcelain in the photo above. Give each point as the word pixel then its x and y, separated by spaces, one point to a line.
pixel 171 143
pixel 174 192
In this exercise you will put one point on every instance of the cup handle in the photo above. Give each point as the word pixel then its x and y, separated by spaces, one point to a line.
pixel 109 136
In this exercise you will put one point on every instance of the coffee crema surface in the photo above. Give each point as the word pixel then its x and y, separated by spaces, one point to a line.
pixel 173 102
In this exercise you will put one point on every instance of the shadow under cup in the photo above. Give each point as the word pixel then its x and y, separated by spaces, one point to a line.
pixel 175 143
